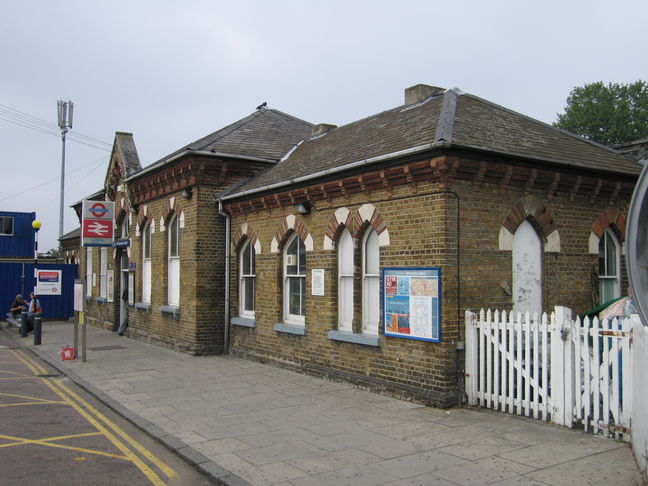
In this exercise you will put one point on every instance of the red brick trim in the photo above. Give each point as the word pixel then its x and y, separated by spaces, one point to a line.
pixel 143 219
pixel 284 232
pixel 170 210
pixel 240 237
pixel 356 224
pixel 541 219
pixel 610 217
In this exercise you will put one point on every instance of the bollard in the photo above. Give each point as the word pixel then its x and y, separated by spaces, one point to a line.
pixel 23 324
pixel 38 325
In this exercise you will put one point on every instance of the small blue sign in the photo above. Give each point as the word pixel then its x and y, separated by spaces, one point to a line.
pixel 122 243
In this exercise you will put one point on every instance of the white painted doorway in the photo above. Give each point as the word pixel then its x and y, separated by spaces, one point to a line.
pixel 527 270
pixel 123 291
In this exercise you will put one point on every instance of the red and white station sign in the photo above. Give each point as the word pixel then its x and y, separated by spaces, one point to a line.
pixel 97 223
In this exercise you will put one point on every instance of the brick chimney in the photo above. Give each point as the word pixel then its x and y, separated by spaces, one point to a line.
pixel 420 92
pixel 321 128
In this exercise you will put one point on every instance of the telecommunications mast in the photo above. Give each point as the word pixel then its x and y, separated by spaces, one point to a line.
pixel 65 109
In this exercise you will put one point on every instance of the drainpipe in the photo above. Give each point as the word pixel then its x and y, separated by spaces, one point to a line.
pixel 227 217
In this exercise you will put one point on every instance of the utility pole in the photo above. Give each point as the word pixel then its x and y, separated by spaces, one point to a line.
pixel 65 109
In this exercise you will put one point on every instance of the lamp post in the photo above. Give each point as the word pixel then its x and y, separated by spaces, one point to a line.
pixel 36 224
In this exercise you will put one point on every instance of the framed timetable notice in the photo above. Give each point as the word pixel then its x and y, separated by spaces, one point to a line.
pixel 412 303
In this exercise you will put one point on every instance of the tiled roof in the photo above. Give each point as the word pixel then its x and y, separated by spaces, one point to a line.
pixel 459 119
pixel 265 134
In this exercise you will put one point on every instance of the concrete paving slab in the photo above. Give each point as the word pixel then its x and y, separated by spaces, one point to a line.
pixel 246 423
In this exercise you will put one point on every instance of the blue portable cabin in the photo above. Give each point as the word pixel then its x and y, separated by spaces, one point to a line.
pixel 17 239
pixel 16 235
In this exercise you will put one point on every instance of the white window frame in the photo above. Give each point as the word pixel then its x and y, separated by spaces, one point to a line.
pixel 173 277
pixel 89 271
pixel 3 224
pixel 250 275
pixel 370 284
pixel 604 276
pixel 345 282
pixel 297 319
pixel 103 272
pixel 146 263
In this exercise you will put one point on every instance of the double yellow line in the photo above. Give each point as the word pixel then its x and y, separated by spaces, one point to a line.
pixel 103 424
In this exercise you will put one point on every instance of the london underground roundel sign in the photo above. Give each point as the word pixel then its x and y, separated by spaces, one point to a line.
pixel 98 210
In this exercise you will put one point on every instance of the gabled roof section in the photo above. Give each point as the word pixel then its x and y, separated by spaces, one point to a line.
pixel 266 135
pixel 125 154
pixel 451 119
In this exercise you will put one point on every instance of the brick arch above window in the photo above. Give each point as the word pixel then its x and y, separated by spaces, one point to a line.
pixel 530 209
pixel 356 222
pixel 289 225
pixel 144 216
pixel 610 218
pixel 243 234
pixel 172 207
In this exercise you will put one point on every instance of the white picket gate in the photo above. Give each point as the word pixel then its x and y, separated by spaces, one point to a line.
pixel 553 368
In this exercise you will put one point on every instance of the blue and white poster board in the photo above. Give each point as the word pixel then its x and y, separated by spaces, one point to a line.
pixel 412 303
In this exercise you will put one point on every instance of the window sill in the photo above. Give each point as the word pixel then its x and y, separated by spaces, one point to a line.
pixel 144 306
pixel 101 300
pixel 170 310
pixel 351 337
pixel 290 328
pixel 243 321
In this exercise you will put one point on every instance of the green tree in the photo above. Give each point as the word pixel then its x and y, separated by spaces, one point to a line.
pixel 610 115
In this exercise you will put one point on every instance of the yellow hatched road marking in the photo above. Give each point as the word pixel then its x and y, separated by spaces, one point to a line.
pixel 18 441
pixel 65 393
pixel 20 404
pixel 21 377
pixel 46 400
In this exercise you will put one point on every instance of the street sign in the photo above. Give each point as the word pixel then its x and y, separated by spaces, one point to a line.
pixel 49 282
pixel 97 223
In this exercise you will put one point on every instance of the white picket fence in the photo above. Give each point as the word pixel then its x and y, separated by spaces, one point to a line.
pixel 569 371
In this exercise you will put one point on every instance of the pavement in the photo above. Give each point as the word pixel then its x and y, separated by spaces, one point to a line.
pixel 247 423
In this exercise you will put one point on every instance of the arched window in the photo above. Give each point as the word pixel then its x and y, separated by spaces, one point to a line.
pixel 247 280
pixel 125 229
pixel 89 271
pixel 370 283
pixel 174 262
pixel 527 270
pixel 146 263
pixel 103 272
pixel 609 263
pixel 294 288
pixel 345 282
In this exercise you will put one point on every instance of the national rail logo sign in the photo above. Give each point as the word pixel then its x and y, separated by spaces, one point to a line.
pixel 97 223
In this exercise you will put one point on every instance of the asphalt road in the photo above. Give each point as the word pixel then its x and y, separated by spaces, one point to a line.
pixel 53 433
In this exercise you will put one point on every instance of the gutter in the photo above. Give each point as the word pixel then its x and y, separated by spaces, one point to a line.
pixel 379 158
pixel 205 153
pixel 228 257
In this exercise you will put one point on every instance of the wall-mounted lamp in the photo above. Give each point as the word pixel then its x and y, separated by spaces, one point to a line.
pixel 303 208
pixel 186 193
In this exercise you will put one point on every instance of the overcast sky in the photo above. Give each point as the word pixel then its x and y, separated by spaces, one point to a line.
pixel 171 72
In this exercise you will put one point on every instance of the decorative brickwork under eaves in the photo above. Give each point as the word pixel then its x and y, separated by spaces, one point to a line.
pixel 445 170
pixel 189 171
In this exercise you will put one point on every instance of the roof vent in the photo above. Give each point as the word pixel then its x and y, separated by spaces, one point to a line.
pixel 420 92
pixel 321 128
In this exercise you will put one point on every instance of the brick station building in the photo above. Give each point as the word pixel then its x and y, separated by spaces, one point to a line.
pixel 352 252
